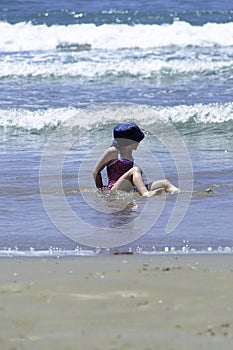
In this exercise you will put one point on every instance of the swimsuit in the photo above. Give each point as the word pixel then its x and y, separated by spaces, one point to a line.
pixel 116 169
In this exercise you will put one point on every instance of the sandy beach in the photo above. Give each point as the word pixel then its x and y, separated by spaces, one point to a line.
pixel 169 302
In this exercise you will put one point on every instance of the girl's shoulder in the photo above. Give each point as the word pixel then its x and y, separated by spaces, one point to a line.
pixel 112 151
pixel 109 155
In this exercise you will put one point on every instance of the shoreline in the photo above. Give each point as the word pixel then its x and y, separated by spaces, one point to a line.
pixel 167 302
pixel 94 252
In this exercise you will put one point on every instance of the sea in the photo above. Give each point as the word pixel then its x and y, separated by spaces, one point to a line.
pixel 69 72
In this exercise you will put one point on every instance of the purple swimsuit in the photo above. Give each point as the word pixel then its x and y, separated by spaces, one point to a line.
pixel 116 169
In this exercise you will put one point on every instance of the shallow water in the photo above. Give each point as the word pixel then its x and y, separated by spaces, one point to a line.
pixel 167 67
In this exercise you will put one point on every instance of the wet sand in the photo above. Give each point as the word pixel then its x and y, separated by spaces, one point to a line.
pixel 167 302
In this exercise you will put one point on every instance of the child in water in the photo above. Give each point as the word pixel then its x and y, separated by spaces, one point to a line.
pixel 121 172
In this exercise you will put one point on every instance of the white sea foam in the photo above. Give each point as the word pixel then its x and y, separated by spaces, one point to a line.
pixel 26 36
pixel 97 117
pixel 95 67
pixel 35 120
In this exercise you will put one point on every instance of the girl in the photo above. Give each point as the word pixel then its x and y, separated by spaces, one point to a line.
pixel 121 172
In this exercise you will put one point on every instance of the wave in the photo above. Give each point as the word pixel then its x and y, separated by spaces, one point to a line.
pixel 146 68
pixel 98 117
pixel 28 37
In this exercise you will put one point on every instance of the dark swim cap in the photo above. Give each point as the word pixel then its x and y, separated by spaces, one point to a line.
pixel 128 131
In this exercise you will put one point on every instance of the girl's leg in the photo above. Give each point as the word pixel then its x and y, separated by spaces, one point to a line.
pixel 132 178
pixel 163 185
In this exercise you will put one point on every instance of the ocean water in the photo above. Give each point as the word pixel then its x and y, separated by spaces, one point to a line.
pixel 69 72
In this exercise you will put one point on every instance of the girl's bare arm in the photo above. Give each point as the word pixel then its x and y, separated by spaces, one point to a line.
pixel 109 155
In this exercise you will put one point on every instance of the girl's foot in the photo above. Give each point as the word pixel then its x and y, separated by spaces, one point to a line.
pixel 170 188
pixel 152 193
pixel 173 189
